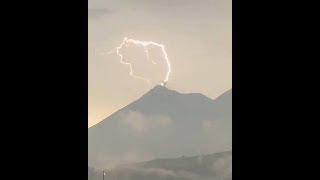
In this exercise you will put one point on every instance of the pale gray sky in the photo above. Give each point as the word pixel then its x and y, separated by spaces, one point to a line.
pixel 197 35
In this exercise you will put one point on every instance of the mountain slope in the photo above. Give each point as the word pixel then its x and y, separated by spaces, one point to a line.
pixel 162 123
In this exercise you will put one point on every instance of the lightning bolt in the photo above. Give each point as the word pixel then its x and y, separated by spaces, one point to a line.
pixel 145 44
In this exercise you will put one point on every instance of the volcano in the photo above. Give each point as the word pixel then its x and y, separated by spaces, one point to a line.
pixel 163 123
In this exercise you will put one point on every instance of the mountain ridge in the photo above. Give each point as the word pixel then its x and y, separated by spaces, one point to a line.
pixel 164 91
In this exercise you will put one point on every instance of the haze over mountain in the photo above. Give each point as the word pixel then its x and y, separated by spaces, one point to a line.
pixel 216 166
pixel 162 123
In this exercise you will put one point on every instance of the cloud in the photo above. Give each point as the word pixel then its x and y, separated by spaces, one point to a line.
pixel 97 13
pixel 150 173
pixel 139 124
pixel 207 124
pixel 223 167
pixel 172 3
pixel 134 156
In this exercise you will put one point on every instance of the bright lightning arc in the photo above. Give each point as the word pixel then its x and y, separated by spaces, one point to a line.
pixel 145 44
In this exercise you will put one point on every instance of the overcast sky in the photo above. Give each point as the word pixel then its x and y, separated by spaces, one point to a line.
pixel 197 35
